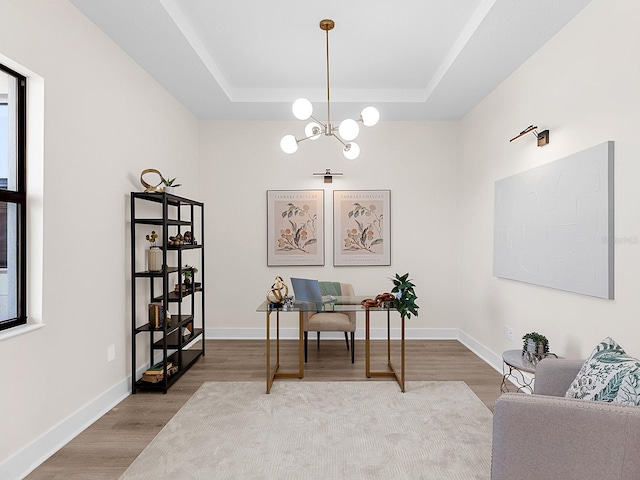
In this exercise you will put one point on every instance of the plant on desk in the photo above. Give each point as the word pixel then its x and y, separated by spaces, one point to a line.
pixel 405 301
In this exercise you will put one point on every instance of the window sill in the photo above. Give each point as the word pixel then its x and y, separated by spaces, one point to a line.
pixel 15 331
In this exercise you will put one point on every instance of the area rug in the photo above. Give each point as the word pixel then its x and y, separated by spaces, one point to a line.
pixel 323 430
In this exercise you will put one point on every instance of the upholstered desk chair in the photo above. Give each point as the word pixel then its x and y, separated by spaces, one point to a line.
pixel 331 321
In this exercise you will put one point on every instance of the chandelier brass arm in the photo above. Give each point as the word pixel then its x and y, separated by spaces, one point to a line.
pixel 348 129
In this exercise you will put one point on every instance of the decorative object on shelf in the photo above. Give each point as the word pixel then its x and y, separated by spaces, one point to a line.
pixel 543 137
pixel 164 184
pixel 278 292
pixel 176 240
pixel 405 301
pixel 147 186
pixel 154 254
pixel 361 227
pixel 157 316
pixel 189 239
pixel 534 347
pixel 188 271
pixel 154 259
pixel 348 129
pixel 295 227
pixel 169 184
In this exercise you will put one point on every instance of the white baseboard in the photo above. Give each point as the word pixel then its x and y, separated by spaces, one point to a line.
pixel 34 454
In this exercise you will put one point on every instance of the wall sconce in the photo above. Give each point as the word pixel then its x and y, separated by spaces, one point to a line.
pixel 543 137
pixel 328 176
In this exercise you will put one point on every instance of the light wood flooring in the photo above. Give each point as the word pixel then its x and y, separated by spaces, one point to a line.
pixel 111 444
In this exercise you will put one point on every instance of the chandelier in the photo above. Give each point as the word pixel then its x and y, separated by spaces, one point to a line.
pixel 348 129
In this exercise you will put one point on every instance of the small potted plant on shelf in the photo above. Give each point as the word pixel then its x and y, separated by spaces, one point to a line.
pixel 154 254
pixel 188 272
pixel 405 301
pixel 169 184
pixel 534 346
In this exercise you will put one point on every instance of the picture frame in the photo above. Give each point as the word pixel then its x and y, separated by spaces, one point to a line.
pixel 361 227
pixel 295 227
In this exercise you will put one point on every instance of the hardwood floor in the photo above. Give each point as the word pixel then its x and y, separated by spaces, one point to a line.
pixel 111 444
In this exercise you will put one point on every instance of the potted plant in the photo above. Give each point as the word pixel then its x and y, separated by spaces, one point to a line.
pixel 154 254
pixel 188 272
pixel 169 184
pixel 534 344
pixel 405 301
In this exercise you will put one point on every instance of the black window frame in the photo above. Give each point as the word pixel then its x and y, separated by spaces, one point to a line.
pixel 19 198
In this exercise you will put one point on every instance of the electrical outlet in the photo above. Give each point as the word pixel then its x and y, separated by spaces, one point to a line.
pixel 111 353
pixel 508 333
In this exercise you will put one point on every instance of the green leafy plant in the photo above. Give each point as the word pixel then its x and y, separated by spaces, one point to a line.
pixel 536 338
pixel 188 271
pixel 169 182
pixel 405 301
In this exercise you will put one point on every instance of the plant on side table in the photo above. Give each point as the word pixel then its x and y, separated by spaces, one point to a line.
pixel 405 301
pixel 535 345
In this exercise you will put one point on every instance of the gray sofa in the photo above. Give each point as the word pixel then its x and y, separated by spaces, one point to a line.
pixel 545 436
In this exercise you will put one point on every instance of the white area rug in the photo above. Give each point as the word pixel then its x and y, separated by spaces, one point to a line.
pixel 323 430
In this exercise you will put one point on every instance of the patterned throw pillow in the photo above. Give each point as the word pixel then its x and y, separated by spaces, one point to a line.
pixel 603 374
pixel 629 391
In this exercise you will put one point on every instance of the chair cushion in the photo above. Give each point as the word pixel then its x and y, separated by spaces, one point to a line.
pixel 330 322
pixel 605 372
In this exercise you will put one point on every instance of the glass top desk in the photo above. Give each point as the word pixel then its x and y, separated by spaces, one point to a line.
pixel 342 304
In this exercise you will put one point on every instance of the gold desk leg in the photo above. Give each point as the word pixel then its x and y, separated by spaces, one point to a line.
pixel 301 347
pixel 272 374
pixel 392 372
pixel 268 355
pixel 367 346
pixel 389 338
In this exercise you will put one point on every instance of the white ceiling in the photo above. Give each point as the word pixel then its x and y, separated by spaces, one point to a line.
pixel 249 59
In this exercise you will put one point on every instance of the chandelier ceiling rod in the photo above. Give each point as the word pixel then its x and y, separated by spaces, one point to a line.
pixel 348 129
pixel 327 25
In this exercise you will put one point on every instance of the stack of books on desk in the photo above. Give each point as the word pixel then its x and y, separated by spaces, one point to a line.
pixel 155 373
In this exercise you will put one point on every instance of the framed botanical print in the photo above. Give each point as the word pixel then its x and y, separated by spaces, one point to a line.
pixel 295 227
pixel 361 227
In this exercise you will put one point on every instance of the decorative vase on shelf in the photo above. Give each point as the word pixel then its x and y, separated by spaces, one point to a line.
pixel 169 190
pixel 154 259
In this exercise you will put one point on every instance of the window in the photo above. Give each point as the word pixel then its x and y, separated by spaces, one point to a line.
pixel 13 255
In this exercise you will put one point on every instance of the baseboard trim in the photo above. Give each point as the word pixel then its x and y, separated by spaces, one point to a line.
pixel 31 456
pixel 34 454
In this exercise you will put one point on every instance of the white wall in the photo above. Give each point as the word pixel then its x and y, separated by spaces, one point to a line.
pixel 582 86
pixel 105 121
pixel 241 161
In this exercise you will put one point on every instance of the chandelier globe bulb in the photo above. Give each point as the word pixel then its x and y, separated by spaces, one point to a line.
pixel 351 151
pixel 370 116
pixel 302 109
pixel 348 129
pixel 313 130
pixel 289 144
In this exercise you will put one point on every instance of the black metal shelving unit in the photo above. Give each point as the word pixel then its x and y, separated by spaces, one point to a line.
pixel 182 342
